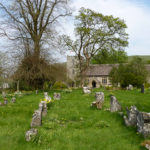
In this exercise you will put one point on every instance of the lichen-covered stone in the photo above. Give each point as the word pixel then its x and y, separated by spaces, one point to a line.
pixel 5 102
pixel 131 118
pixel 130 87
pixel 36 118
pixel 114 104
pixel 143 123
pixel 31 134
pixel 13 100
pixel 99 100
pixel 48 98
pixel 86 90
pixel 57 96
pixel 43 108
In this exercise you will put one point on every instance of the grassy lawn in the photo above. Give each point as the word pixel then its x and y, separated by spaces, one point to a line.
pixel 71 124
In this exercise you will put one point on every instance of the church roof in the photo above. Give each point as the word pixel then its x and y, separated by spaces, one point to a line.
pixel 100 70
pixel 104 69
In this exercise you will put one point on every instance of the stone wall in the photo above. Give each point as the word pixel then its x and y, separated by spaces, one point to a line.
pixel 98 81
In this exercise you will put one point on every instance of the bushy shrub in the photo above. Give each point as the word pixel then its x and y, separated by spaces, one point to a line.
pixel 59 85
pixel 147 85
pixel 133 73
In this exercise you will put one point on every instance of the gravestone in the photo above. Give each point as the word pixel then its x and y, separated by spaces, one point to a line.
pixel 31 134
pixel 130 87
pixel 99 100
pixel 86 90
pixel 57 96
pixel 43 108
pixel 114 104
pixel 36 119
pixel 1 104
pixel 142 88
pixel 131 118
pixel 13 100
pixel 3 94
pixel 5 102
pixel 46 96
pixel 143 123
pixel 36 91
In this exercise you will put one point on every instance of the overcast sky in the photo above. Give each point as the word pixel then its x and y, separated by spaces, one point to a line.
pixel 136 14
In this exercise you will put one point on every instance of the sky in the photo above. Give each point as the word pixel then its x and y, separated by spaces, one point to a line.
pixel 136 14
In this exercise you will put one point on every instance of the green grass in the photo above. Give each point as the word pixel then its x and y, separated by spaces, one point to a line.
pixel 71 124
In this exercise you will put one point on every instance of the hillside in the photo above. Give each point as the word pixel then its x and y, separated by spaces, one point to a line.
pixel 144 57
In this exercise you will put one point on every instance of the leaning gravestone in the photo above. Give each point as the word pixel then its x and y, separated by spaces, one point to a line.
pixel 57 96
pixel 13 100
pixel 131 118
pixel 99 100
pixel 43 108
pixel 143 123
pixel 31 134
pixel 86 90
pixel 36 119
pixel 114 104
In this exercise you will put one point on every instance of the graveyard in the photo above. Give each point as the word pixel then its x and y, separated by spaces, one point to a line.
pixel 71 122
pixel 74 75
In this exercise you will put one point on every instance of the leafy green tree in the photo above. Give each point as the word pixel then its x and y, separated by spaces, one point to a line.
pixel 110 57
pixel 133 73
pixel 95 32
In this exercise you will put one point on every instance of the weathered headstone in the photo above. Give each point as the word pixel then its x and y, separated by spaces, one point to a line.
pixel 13 100
pixel 1 104
pixel 143 123
pixel 46 96
pixel 142 88
pixel 36 91
pixel 99 100
pixel 114 104
pixel 131 118
pixel 130 87
pixel 86 90
pixel 57 96
pixel 5 101
pixel 36 119
pixel 43 108
pixel 31 134
pixel 3 94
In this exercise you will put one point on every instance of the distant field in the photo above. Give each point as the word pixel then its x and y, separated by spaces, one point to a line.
pixel 144 57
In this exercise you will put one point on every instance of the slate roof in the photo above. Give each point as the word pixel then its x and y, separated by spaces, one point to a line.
pixel 104 69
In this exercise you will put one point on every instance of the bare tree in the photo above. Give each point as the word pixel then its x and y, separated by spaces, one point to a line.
pixel 31 23
pixel 32 18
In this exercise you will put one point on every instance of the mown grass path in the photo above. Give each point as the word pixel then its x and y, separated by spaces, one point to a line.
pixel 71 124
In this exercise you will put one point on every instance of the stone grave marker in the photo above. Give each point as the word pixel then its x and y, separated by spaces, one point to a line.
pixel 31 134
pixel 36 119
pixel 57 96
pixel 114 104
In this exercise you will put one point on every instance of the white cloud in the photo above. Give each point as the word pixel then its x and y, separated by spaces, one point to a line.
pixel 136 16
